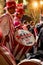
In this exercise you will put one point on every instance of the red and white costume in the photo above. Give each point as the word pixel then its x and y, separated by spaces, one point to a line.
pixel 6 57
pixel 6 23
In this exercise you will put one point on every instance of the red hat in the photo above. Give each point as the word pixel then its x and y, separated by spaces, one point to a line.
pixel 19 8
pixel 10 3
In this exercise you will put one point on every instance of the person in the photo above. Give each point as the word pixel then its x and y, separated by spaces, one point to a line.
pixel 20 9
pixel 16 21
pixel 21 12
pixel 38 27
pixel 6 58
pixel 40 39
pixel 33 30
pixel 7 21
pixel 39 53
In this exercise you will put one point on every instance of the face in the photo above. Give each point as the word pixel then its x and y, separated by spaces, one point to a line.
pixel 11 10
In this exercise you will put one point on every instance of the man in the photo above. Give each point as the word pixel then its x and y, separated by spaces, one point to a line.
pixel 6 22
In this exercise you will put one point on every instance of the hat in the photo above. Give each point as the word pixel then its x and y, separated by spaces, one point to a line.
pixel 10 3
pixel 19 8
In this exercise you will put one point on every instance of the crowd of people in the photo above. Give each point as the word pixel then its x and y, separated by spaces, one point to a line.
pixel 15 19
